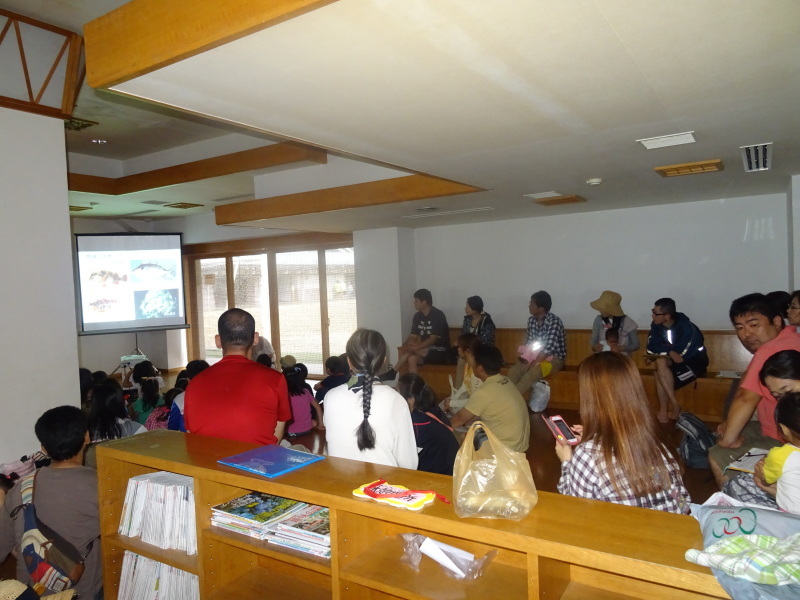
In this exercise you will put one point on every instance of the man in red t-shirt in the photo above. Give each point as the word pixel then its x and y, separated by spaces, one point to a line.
pixel 760 329
pixel 237 398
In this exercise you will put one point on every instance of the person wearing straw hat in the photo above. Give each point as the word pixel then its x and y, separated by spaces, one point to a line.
pixel 611 317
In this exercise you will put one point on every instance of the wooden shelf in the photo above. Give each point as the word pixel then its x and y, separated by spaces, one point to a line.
pixel 174 558
pixel 380 568
pixel 610 559
pixel 261 583
pixel 263 548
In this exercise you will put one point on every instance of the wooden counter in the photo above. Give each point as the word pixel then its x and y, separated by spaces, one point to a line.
pixel 565 548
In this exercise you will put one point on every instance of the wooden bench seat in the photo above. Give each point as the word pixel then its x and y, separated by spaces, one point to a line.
pixel 705 397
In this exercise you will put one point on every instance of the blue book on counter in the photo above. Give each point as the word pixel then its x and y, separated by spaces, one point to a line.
pixel 270 461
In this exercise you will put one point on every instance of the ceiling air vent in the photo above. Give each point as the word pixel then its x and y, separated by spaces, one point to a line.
pixel 183 205
pixel 692 168
pixel 558 200
pixel 757 157
pixel 79 208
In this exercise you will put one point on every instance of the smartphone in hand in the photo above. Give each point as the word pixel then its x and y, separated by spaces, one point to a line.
pixel 560 430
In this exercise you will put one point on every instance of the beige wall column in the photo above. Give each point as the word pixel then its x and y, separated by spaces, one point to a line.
pixel 39 353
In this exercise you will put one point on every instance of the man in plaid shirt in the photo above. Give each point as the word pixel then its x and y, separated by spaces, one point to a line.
pixel 545 345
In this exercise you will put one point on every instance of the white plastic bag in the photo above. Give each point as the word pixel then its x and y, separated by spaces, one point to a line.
pixel 540 396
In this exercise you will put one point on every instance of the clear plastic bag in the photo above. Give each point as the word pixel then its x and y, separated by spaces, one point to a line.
pixel 492 481
pixel 455 562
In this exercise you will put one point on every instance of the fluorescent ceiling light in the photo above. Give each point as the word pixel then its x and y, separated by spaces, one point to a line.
pixel 675 139
pixel 540 195
pixel 447 212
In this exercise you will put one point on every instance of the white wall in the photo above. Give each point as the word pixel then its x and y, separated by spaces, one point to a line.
pixel 702 254
pixel 39 354
pixel 382 282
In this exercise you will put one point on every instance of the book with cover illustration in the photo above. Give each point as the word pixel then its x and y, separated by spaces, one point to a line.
pixel 270 461
pixel 258 507
pixel 747 462
pixel 312 523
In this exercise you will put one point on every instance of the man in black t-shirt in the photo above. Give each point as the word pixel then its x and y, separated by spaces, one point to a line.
pixel 429 341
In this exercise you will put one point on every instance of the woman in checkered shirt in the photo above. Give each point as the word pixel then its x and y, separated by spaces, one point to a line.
pixel 623 455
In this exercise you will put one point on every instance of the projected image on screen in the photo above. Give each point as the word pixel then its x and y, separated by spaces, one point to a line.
pixel 130 282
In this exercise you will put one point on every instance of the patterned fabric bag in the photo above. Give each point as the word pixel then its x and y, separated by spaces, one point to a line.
pixel 52 561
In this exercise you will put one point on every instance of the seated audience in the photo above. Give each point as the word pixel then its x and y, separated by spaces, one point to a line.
pixel 367 420
pixel 497 402
pixel 780 300
pixel 237 398
pixel 623 455
pixel 478 323
pixel 436 444
pixel 264 359
pixel 99 377
pixel 145 369
pixel 676 346
pixel 262 346
pixel 337 374
pixel 545 347
pixel 781 468
pixel 793 311
pixel 760 329
pixel 65 496
pixel 429 341
pixel 193 368
pixel 611 317
pixel 86 384
pixel 159 418
pixel 302 402
pixel 145 375
pixel 108 419
pixel 466 344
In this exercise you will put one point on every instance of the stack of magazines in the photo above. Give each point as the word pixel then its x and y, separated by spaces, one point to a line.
pixel 159 508
pixel 146 579
pixel 281 521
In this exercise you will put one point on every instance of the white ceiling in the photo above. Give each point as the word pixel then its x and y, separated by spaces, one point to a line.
pixel 513 97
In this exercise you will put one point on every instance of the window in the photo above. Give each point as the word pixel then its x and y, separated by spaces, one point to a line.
pixel 300 290
pixel 212 299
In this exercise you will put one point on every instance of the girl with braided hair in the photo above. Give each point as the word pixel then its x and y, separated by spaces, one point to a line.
pixel 366 420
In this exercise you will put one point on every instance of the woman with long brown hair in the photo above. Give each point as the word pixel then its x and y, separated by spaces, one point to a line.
pixel 623 455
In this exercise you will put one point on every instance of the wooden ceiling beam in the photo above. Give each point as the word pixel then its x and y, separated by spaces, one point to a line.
pixel 359 195
pixel 265 157
pixel 145 35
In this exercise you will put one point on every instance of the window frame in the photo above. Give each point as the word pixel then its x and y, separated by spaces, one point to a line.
pixel 271 246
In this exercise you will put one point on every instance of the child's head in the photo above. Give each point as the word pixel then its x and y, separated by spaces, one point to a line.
pixel 787 415
pixel 333 366
pixel 62 431
pixel 418 395
pixel 612 336
pixel 143 370
pixel 264 359
pixel 295 380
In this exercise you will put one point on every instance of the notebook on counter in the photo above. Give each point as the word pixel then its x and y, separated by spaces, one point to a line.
pixel 270 461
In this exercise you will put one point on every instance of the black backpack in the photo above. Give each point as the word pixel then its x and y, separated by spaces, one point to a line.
pixel 696 442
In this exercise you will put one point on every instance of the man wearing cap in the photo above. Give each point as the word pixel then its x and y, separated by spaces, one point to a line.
pixel 612 318
pixel 545 346
pixel 237 398
pixel 676 346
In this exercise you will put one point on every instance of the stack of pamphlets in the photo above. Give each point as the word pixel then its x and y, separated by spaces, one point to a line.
pixel 159 508
pixel 308 530
pixel 281 521
pixel 146 579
